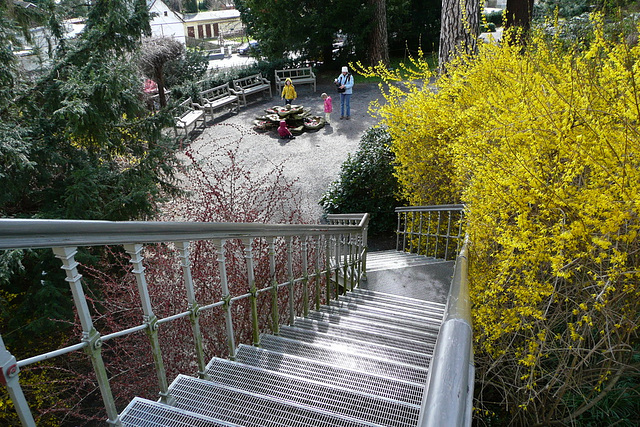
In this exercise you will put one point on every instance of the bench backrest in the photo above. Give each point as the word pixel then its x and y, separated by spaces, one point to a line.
pixel 294 72
pixel 184 108
pixel 215 93
pixel 249 81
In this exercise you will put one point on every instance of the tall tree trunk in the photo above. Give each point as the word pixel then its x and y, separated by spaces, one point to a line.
pixel 458 30
pixel 378 41
pixel 519 13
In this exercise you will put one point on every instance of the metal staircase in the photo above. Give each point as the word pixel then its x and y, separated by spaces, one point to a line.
pixel 360 361
pixel 391 346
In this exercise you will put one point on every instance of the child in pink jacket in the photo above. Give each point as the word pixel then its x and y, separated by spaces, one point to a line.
pixel 328 107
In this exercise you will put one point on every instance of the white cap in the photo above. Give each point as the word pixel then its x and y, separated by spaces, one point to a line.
pixel 345 70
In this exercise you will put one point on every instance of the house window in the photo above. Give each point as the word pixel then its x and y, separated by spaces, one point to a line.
pixel 191 32
pixel 200 32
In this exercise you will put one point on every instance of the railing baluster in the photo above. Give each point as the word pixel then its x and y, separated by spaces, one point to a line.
pixel 226 297
pixel 305 277
pixel 446 249
pixel 398 232
pixel 275 315
pixel 404 234
pixel 428 234
pixel 317 275
pixel 292 311
pixel 437 234
pixel 253 298
pixel 194 308
pixel 420 234
pixel 135 252
pixel 327 258
pixel 9 377
pixel 89 333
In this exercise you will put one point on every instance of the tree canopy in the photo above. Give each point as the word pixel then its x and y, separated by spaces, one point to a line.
pixel 309 28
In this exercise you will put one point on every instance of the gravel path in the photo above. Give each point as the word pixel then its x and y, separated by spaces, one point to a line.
pixel 314 159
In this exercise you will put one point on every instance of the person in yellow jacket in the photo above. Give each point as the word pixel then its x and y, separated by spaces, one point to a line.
pixel 288 92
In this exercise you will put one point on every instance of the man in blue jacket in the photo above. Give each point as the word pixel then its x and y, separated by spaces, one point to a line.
pixel 345 88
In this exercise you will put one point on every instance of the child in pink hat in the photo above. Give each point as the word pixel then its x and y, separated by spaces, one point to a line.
pixel 284 131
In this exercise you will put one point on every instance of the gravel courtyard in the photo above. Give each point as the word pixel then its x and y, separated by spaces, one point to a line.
pixel 313 158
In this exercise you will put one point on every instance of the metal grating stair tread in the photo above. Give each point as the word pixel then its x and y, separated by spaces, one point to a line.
pixel 362 316
pixel 337 400
pixel 385 260
pixel 373 310
pixel 249 409
pixel 347 358
pixel 412 358
pixel 145 413
pixel 365 342
pixel 367 331
pixel 366 324
pixel 353 379
pixel 380 305
pixel 380 300
pixel 392 298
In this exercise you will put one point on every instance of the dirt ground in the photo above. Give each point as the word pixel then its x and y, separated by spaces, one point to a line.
pixel 313 158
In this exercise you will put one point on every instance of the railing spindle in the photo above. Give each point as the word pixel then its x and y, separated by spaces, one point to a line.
pixel 194 308
pixel 275 315
pixel 135 252
pixel 226 297
pixel 292 310
pixel 89 333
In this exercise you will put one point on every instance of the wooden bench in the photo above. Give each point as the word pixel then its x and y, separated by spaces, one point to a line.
pixel 297 75
pixel 187 115
pixel 250 85
pixel 218 97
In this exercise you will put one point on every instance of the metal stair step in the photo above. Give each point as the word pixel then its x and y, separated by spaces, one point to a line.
pixel 370 316
pixel 369 332
pixel 419 306
pixel 145 413
pixel 249 409
pixel 313 337
pixel 377 310
pixel 345 357
pixel 397 299
pixel 367 349
pixel 384 260
pixel 314 394
pixel 367 324
pixel 354 379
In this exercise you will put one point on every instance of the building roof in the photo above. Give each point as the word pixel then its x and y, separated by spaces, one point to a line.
pixel 215 15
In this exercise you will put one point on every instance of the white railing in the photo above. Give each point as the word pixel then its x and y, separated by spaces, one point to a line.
pixel 339 250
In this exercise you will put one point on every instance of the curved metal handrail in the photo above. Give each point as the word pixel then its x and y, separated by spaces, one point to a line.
pixel 449 392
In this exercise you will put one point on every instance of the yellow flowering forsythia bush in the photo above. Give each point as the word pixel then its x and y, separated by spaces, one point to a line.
pixel 543 146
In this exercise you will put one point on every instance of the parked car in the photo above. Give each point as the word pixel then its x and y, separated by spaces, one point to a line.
pixel 249 48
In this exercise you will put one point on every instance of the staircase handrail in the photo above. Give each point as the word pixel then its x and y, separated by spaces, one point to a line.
pixel 448 399
pixel 345 239
pixel 48 233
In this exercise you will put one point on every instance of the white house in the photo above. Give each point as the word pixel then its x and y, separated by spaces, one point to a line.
pixel 208 25
pixel 165 22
